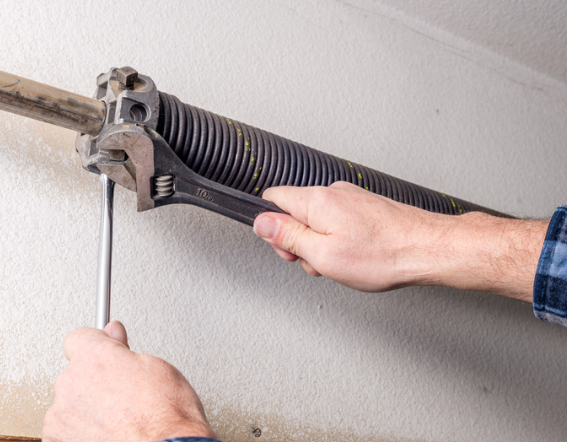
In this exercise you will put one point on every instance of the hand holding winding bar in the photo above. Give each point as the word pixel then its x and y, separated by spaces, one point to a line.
pixel 109 393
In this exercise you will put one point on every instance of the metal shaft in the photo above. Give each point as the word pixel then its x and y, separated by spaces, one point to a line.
pixel 104 253
pixel 46 103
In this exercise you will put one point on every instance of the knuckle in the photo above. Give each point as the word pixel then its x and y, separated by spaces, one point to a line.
pixel 312 272
pixel 325 198
pixel 338 184
pixel 75 340
pixel 345 185
pixel 322 194
pixel 291 237
pixel 145 359
pixel 153 363
pixel 309 268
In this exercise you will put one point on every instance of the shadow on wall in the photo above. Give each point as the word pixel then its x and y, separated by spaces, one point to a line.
pixel 491 346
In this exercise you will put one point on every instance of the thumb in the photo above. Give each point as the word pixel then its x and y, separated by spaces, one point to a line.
pixel 84 338
pixel 116 330
pixel 285 233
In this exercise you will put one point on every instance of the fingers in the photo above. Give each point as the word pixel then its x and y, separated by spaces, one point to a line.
pixel 290 257
pixel 308 267
pixel 286 234
pixel 116 330
pixel 297 201
pixel 294 236
pixel 77 339
pixel 293 200
pixel 82 338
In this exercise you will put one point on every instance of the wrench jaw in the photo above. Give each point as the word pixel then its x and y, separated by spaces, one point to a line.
pixel 133 154
pixel 136 171
pixel 122 150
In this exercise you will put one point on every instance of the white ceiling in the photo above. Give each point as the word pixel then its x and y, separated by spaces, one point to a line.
pixel 531 32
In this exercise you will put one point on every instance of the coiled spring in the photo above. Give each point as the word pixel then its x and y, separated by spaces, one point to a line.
pixel 164 185
pixel 251 160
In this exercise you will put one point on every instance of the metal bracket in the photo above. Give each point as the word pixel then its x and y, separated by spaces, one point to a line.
pixel 130 99
pixel 130 151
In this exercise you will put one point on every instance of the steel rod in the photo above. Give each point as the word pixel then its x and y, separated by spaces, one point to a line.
pixel 104 253
pixel 52 105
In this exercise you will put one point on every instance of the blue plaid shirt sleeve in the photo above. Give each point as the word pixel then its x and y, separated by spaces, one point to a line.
pixel 550 285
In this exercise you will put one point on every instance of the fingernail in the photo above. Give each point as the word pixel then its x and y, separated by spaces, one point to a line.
pixel 266 227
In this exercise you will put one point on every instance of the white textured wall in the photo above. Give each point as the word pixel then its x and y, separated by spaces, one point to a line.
pixel 265 345
pixel 532 32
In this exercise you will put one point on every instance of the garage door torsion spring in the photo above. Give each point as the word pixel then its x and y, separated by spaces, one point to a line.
pixel 242 157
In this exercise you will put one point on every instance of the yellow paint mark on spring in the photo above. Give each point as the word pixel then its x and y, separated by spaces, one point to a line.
pixel 252 160
pixel 367 188
pixel 255 176
pixel 349 163
pixel 452 202
pixel 256 189
pixel 228 121
pixel 239 132
pixel 359 175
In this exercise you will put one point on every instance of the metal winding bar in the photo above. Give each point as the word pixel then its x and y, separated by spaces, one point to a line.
pixel 52 105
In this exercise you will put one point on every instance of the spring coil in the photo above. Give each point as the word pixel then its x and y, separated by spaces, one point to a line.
pixel 164 185
pixel 251 160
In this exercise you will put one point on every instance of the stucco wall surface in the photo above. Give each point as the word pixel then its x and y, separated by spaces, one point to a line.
pixel 531 32
pixel 265 345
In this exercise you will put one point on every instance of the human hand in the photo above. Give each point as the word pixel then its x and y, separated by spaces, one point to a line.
pixel 350 235
pixel 108 392
pixel 371 243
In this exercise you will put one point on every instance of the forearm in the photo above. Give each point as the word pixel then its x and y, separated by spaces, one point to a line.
pixel 480 252
pixel 371 243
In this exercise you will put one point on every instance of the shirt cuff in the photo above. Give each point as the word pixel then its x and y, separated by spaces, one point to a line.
pixel 550 284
